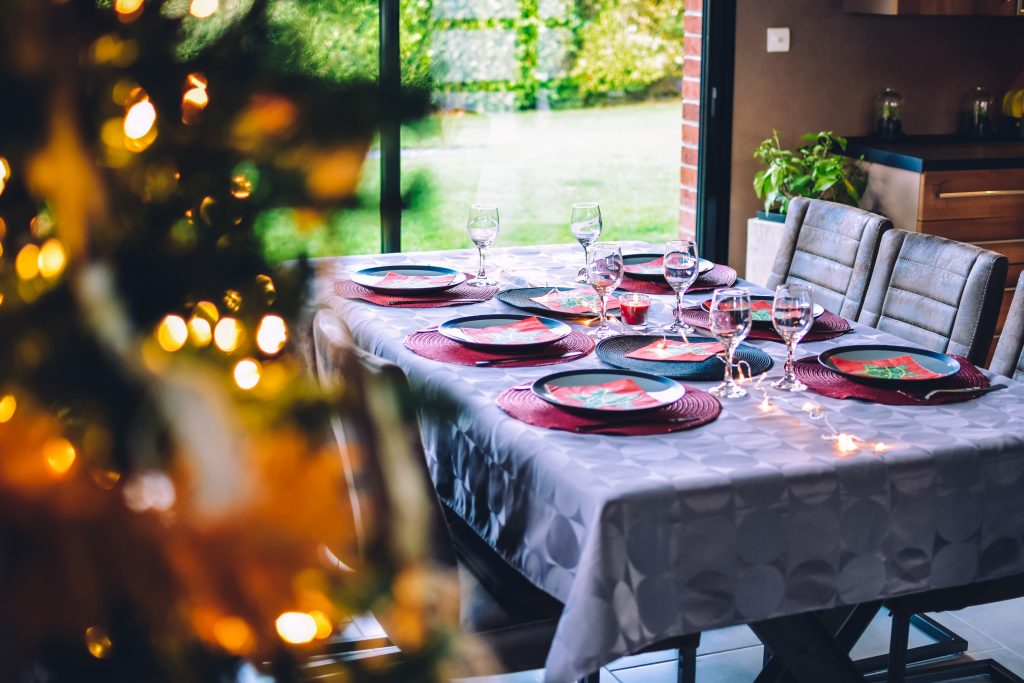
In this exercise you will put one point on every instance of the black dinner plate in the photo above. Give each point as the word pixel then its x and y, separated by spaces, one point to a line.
pixel 614 349
pixel 454 330
pixel 637 259
pixel 933 361
pixel 664 390
pixel 368 277
pixel 521 298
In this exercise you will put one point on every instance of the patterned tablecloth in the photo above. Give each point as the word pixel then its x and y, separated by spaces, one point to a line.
pixel 751 517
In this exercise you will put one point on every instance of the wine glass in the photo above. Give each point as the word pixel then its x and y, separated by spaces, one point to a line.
pixel 604 273
pixel 586 224
pixel 482 226
pixel 792 316
pixel 730 323
pixel 682 266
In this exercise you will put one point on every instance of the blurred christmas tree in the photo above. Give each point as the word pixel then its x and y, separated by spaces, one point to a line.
pixel 166 493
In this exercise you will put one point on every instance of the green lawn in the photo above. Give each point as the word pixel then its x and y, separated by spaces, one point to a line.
pixel 533 165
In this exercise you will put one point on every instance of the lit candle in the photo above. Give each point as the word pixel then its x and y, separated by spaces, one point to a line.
pixel 634 308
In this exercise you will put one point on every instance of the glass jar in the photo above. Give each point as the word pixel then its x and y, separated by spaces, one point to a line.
pixel 976 113
pixel 889 115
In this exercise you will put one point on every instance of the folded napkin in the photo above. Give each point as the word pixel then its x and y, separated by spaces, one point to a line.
pixel 655 267
pixel 398 281
pixel 760 310
pixel 622 394
pixel 579 300
pixel 526 331
pixel 672 350
pixel 900 367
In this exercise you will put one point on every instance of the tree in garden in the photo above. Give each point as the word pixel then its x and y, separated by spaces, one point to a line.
pixel 167 494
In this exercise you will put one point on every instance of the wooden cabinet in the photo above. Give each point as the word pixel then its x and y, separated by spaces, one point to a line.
pixel 998 8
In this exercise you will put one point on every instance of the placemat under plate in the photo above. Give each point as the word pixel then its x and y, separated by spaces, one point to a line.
pixel 456 296
pixel 437 347
pixel 613 352
pixel 826 382
pixel 828 325
pixel 525 407
pixel 522 298
pixel 719 276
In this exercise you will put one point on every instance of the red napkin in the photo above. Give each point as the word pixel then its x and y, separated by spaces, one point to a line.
pixel 900 367
pixel 526 331
pixel 760 310
pixel 622 394
pixel 399 281
pixel 655 267
pixel 579 300
pixel 672 350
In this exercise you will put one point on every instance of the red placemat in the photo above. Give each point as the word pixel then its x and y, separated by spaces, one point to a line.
pixel 456 296
pixel 438 347
pixel 828 325
pixel 719 276
pixel 524 406
pixel 827 382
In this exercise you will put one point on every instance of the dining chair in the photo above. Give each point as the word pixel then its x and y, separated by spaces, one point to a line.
pixel 498 605
pixel 1008 359
pixel 831 248
pixel 937 293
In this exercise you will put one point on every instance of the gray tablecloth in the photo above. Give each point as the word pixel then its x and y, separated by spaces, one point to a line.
pixel 750 517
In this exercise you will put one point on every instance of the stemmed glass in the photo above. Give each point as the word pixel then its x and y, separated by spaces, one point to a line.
pixel 682 266
pixel 604 273
pixel 792 316
pixel 482 226
pixel 586 225
pixel 730 323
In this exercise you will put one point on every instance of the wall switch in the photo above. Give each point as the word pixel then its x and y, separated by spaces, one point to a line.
pixel 778 40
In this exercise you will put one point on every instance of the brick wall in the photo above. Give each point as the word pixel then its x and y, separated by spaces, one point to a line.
pixel 691 119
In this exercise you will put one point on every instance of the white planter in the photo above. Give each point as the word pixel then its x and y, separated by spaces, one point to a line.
pixel 763 238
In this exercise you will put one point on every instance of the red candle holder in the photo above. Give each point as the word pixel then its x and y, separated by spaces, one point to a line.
pixel 634 309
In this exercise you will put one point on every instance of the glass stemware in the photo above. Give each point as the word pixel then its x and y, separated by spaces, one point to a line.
pixel 730 323
pixel 586 225
pixel 792 316
pixel 604 273
pixel 482 226
pixel 682 266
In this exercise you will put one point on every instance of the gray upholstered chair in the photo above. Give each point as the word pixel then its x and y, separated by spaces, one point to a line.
pixel 1009 356
pixel 936 293
pixel 830 247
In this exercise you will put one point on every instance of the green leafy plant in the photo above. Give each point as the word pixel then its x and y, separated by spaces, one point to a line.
pixel 815 170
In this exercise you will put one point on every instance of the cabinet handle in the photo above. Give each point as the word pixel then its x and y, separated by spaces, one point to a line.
pixel 980 193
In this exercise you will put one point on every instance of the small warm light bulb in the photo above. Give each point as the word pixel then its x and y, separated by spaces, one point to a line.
pixel 52 258
pixel 8 404
pixel 5 169
pixel 207 310
pixel 233 300
pixel 765 406
pixel 140 119
pixel 241 187
pixel 127 6
pixel 881 447
pixel 247 373
pixel 296 627
pixel 172 333
pixel 846 443
pixel 59 454
pixel 227 335
pixel 27 262
pixel 193 102
pixel 272 334
pixel 201 9
pixel 98 642
pixel 200 331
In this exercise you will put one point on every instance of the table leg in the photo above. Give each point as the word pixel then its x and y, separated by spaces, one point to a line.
pixel 807 649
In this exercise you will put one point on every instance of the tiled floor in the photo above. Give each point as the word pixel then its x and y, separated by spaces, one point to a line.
pixel 733 655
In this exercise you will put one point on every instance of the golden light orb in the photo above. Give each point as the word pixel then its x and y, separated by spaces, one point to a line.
pixel 27 262
pixel 127 6
pixel 208 310
pixel 52 258
pixel 193 102
pixel 233 300
pixel 172 333
pixel 324 627
pixel 98 642
pixel 296 627
pixel 247 373
pixel 8 404
pixel 201 9
pixel 5 172
pixel 227 335
pixel 269 290
pixel 59 454
pixel 241 187
pixel 272 334
pixel 140 119
pixel 200 331
pixel 846 444
pixel 233 634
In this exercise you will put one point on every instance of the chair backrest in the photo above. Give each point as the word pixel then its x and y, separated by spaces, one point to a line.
pixel 393 501
pixel 937 293
pixel 831 248
pixel 1009 356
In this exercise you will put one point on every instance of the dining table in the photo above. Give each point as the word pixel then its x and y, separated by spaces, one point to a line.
pixel 751 519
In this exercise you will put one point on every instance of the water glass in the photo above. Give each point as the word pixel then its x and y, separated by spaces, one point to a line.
pixel 604 273
pixel 792 316
pixel 681 268
pixel 730 323
pixel 482 226
pixel 586 225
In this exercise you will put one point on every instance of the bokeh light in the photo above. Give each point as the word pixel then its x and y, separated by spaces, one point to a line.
pixel 201 9
pixel 140 119
pixel 207 310
pixel 172 333
pixel 27 262
pixel 233 634
pixel 271 334
pixel 241 187
pixel 52 258
pixel 152 490
pixel 227 335
pixel 5 173
pixel 8 404
pixel 296 627
pixel 233 300
pixel 247 373
pixel 200 331
pixel 324 627
pixel 195 98
pixel 126 7
pixel 98 642
pixel 59 454
pixel 269 290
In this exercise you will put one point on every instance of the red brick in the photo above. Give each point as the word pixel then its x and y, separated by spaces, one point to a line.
pixel 691 112
pixel 692 45
pixel 691 89
pixel 689 156
pixel 692 23
pixel 687 197
pixel 687 225
pixel 691 67
pixel 691 134
pixel 688 177
pixel 694 6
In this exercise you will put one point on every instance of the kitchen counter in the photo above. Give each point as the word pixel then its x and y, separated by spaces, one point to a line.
pixel 922 153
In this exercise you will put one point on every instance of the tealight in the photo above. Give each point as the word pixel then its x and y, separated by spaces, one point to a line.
pixel 634 309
